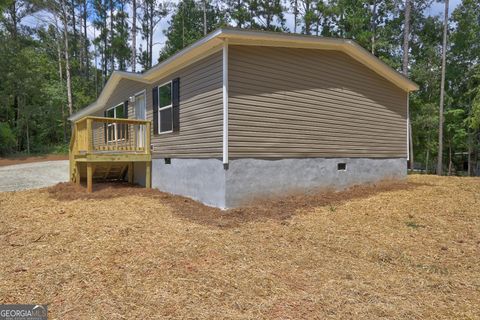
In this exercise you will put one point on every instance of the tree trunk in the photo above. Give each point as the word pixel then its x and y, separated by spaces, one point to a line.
pixel 28 135
pixel 373 26
pixel 295 16
pixel 183 28
pixel 16 107
pixel 60 77
pixel 150 44
pixel 406 45
pixel 112 60
pixel 74 26
pixel 450 159
pixel 95 69
pixel 104 53
pixel 85 46
pixel 470 150
pixel 134 35
pixel 442 93
pixel 204 17
pixel 307 22
pixel 427 160
pixel 67 60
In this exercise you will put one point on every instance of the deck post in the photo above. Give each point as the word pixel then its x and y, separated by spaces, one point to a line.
pixel 130 172
pixel 89 177
pixel 148 174
pixel 147 137
pixel 77 173
pixel 89 135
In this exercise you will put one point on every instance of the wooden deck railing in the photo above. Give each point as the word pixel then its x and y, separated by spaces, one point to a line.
pixel 109 144
pixel 110 135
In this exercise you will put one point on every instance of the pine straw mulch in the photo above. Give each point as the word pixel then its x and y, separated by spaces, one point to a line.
pixel 394 250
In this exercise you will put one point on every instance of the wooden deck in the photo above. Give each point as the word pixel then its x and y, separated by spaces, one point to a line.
pixel 107 148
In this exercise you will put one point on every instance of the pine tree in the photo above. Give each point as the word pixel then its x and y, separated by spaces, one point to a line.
pixel 153 13
pixel 119 46
pixel 239 13
pixel 268 15
pixel 187 26
pixel 442 93
pixel 101 41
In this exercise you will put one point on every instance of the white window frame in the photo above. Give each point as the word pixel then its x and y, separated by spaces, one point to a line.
pixel 166 107
pixel 144 94
pixel 113 124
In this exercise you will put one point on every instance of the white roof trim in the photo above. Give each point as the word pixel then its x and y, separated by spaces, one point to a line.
pixel 106 93
pixel 213 42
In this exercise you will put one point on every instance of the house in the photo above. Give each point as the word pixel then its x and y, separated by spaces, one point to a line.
pixel 241 115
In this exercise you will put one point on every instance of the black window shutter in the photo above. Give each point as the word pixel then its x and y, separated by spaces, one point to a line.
pixel 105 127
pixel 176 104
pixel 125 113
pixel 125 109
pixel 155 109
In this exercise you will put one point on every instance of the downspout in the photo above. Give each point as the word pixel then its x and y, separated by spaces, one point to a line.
pixel 408 128
pixel 225 104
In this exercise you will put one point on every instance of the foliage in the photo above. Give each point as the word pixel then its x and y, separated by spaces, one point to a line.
pixel 186 26
pixel 7 139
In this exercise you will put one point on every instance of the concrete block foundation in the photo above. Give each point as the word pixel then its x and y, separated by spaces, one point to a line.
pixel 247 180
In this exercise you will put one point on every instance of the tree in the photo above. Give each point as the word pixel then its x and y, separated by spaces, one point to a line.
pixel 186 26
pixel 442 93
pixel 425 68
pixel 64 17
pixel 133 59
pixel 455 134
pixel 121 52
pixel 406 41
pixel 101 42
pixel 239 13
pixel 268 15
pixel 153 13
pixel 464 72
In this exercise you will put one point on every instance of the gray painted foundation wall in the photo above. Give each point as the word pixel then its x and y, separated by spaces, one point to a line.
pixel 247 180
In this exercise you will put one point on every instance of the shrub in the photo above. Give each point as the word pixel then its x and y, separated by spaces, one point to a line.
pixel 7 139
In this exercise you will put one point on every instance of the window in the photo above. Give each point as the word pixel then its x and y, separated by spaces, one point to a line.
pixel 165 112
pixel 116 131
pixel 341 166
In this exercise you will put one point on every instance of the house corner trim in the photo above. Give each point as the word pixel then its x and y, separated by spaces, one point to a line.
pixel 225 101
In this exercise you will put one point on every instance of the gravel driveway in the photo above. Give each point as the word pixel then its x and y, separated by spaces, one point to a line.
pixel 33 175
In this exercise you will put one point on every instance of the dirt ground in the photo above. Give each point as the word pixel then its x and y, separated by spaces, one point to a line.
pixel 407 250
pixel 29 159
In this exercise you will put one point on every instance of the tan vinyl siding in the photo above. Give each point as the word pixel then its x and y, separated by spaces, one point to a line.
pixel 201 123
pixel 286 102
pixel 200 110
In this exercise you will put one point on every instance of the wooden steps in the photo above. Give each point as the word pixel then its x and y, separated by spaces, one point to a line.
pixel 110 171
pixel 103 171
